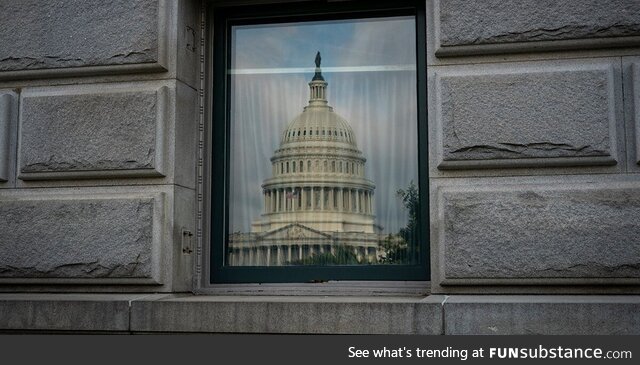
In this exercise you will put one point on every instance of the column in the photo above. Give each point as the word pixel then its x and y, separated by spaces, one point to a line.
pixel 331 199
pixel 322 207
pixel 274 199
pixel 340 199
pixel 268 258
pixel 357 207
pixel 366 202
pixel 287 201
pixel 291 205
pixel 294 199
pixel 303 196
pixel 312 197
pixel 300 206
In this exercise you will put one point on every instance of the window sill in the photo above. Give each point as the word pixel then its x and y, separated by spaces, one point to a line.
pixel 330 288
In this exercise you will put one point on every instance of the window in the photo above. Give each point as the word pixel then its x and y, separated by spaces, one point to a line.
pixel 355 73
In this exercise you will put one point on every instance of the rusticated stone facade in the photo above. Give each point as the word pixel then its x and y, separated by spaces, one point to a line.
pixel 533 163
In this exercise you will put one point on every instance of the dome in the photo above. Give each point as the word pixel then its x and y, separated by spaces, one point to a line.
pixel 319 123
pixel 318 174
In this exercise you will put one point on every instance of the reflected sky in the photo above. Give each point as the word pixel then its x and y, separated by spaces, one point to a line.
pixel 370 67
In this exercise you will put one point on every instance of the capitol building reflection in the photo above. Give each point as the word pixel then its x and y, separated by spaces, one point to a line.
pixel 318 201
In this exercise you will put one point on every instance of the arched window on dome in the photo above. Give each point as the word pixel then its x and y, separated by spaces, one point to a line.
pixel 340 167
pixel 325 166
pixel 293 167
pixel 333 166
pixel 301 166
pixel 287 167
pixel 309 166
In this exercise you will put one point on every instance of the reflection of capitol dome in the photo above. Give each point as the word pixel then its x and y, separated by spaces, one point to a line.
pixel 318 173
pixel 317 196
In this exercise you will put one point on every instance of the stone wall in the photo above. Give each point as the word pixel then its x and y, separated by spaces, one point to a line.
pixel 533 165
pixel 98 123
pixel 533 119
pixel 533 146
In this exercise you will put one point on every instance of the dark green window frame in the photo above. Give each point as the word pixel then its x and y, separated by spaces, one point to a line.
pixel 227 16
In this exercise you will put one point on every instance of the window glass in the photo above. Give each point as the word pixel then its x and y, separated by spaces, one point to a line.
pixel 353 82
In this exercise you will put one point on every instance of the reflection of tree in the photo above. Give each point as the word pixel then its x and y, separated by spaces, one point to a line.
pixel 393 250
pixel 400 248
pixel 341 255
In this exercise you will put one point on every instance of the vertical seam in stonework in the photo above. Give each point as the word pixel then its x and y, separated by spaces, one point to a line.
pixel 625 154
pixel 196 282
pixel 14 116
pixel 130 302
pixel 444 322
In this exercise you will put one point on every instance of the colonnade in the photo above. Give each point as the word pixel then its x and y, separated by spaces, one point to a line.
pixel 278 255
pixel 338 166
pixel 293 199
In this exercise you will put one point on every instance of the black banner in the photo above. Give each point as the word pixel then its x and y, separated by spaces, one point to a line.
pixel 317 349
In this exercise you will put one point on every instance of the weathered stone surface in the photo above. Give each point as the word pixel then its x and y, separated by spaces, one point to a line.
pixel 77 33
pixel 540 231
pixel 84 238
pixel 60 312
pixel 289 315
pixel 8 103
pixel 545 315
pixel 481 22
pixel 636 112
pixel 562 114
pixel 91 134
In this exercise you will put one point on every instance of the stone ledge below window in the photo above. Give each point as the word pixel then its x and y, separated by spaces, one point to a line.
pixel 435 314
